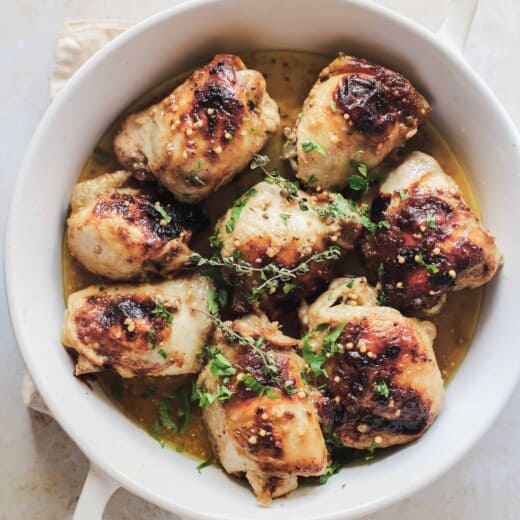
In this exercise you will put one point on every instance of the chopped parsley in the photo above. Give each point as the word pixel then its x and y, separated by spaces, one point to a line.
pixel 371 452
pixel 219 365
pixel 309 146
pixel 237 208
pixel 361 181
pixel 164 216
pixel 314 360
pixel 151 339
pixel 156 436
pixel 333 106
pixel 162 353
pixel 403 195
pixel 432 268
pixel 258 387
pixel 203 465
pixel 430 220
pixel 312 180
pixel 285 217
pixel 334 442
pixel 161 311
pixel 332 469
pixel 350 283
pixel 288 287
pixel 381 270
pixel 194 176
pixel 204 398
pixel 382 389
pixel 212 302
pixel 330 342
pixel 163 414
pixel 214 239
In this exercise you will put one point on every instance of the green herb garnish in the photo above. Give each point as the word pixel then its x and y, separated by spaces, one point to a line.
pixel 371 452
pixel 259 388
pixel 156 436
pixel 164 216
pixel 152 339
pixel 237 208
pixel 432 268
pixel 430 220
pixel 194 176
pixel 161 311
pixel 309 146
pixel 203 465
pixel 205 398
pixel 332 469
pixel 214 239
pixel 285 217
pixel 382 389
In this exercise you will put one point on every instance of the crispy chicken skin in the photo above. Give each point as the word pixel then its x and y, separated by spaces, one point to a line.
pixel 356 111
pixel 273 228
pixel 383 386
pixel 202 134
pixel 434 244
pixel 116 230
pixel 137 330
pixel 273 438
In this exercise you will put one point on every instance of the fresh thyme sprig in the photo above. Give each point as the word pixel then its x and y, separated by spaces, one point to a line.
pixel 272 275
pixel 336 210
pixel 269 365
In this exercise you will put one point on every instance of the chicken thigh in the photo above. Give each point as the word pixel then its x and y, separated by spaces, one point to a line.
pixel 380 381
pixel 203 133
pixel 433 243
pixel 257 409
pixel 357 111
pixel 137 330
pixel 123 232
pixel 275 223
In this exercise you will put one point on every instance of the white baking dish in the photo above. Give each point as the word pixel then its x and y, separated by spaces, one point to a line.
pixel 464 109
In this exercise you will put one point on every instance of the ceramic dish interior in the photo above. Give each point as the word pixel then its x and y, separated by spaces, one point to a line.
pixel 469 117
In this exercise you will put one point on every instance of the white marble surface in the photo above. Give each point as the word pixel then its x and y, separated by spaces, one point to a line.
pixel 41 471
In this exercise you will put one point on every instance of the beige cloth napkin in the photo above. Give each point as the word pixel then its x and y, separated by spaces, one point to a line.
pixel 79 41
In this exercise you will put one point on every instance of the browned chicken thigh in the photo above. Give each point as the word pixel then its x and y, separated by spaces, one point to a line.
pixel 123 232
pixel 203 133
pixel 257 409
pixel 433 243
pixel 137 330
pixel 376 369
pixel 357 111
pixel 275 223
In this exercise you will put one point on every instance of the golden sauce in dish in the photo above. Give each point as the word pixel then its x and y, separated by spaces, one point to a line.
pixel 289 75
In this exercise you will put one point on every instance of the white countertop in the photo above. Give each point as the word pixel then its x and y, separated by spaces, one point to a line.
pixel 41 470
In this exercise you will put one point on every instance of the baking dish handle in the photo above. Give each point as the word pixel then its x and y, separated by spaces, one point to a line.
pixel 96 492
pixel 455 28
